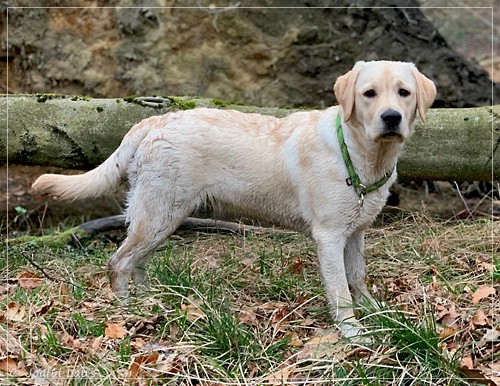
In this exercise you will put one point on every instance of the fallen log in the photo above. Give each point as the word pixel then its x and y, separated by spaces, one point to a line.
pixel 87 230
pixel 80 132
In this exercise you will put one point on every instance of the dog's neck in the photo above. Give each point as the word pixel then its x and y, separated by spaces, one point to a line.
pixel 372 160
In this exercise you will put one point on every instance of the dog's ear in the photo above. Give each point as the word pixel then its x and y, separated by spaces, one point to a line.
pixel 426 92
pixel 344 89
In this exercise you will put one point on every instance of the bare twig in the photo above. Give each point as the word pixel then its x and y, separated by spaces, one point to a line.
pixel 49 277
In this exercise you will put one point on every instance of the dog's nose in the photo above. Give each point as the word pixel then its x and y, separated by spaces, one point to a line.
pixel 391 118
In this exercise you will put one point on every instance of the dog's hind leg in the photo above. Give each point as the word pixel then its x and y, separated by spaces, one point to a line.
pixel 153 217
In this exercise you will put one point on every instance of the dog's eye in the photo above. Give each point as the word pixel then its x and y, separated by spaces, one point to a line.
pixel 403 92
pixel 370 93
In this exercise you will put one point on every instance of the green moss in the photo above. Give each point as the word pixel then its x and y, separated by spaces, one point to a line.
pixel 130 98
pixel 80 98
pixel 53 241
pixel 181 104
pixel 41 98
pixel 221 103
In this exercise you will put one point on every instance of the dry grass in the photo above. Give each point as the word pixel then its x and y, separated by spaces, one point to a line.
pixel 231 310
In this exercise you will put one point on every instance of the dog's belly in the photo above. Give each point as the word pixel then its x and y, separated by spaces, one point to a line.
pixel 258 210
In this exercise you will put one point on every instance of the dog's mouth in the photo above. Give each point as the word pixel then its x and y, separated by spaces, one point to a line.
pixel 390 136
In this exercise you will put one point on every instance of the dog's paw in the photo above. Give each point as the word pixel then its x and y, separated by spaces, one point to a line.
pixel 355 333
pixel 351 328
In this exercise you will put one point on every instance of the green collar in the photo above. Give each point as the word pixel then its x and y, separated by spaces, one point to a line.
pixel 354 179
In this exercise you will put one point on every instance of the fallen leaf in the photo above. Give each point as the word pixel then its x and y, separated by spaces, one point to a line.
pixel 281 376
pixel 480 319
pixel 447 332
pixel 467 362
pixel 297 267
pixel 43 310
pixel 294 340
pixel 323 346
pixel 95 344
pixel 448 315
pixel 279 311
pixel 492 334
pixel 115 330
pixel 247 316
pixel 9 364
pixel 171 363
pixel 137 343
pixel 327 338
pixel 477 376
pixel 482 292
pixel 14 312
pixel 192 310
pixel 69 341
pixel 489 267
pixel 29 281
pixel 139 361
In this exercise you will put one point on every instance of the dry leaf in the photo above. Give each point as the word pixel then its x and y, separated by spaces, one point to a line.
pixel 69 341
pixel 247 316
pixel 323 346
pixel 115 330
pixel 137 343
pixel 10 365
pixel 447 332
pixel 192 310
pixel 29 281
pixel 297 267
pixel 492 334
pixel 170 364
pixel 295 341
pixel 480 319
pixel 489 267
pixel 327 338
pixel 14 312
pixel 482 292
pixel 281 376
pixel 477 376
pixel 139 361
pixel 43 310
pixel 448 315
pixel 95 344
pixel 467 362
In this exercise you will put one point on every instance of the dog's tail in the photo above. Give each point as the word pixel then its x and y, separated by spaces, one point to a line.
pixel 99 181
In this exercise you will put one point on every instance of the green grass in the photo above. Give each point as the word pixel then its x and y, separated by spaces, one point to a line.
pixel 237 310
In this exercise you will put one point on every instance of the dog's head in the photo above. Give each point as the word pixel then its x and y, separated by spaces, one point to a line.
pixel 383 97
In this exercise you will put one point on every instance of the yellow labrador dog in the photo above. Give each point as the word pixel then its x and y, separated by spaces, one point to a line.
pixel 325 173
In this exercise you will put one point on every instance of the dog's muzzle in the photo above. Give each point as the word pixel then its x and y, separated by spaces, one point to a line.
pixel 391 119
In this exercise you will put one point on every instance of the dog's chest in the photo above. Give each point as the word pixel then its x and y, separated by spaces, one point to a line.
pixel 364 210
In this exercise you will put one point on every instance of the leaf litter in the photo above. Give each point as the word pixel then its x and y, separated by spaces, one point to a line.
pixel 442 264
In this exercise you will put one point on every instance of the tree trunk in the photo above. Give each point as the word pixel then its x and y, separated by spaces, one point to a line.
pixel 80 133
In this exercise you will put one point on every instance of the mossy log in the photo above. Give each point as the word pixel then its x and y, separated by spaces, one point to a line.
pixel 87 230
pixel 80 133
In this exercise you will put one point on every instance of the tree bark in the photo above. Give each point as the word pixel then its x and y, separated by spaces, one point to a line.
pixel 80 133
pixel 88 230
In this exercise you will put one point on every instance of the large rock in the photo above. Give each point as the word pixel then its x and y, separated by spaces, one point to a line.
pixel 265 56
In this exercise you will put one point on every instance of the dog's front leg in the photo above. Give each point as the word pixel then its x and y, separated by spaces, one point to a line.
pixel 330 246
pixel 355 266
